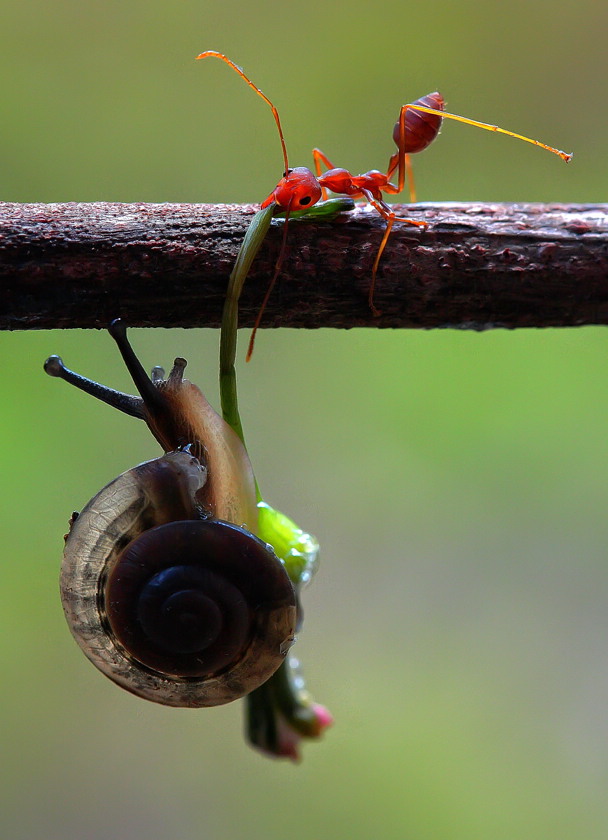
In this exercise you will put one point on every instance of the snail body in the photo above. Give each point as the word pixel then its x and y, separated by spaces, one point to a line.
pixel 164 584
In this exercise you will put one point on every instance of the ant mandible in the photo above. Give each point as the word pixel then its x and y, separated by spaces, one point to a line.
pixel 418 125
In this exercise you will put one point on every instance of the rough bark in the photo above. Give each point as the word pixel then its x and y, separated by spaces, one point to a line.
pixel 476 266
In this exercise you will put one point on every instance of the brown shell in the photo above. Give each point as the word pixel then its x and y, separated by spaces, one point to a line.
pixel 147 496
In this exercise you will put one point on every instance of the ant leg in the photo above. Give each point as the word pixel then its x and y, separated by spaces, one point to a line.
pixel 320 160
pixel 403 164
pixel 409 172
pixel 372 287
pixel 391 218
pixel 410 179
pixel 387 212
pixel 564 155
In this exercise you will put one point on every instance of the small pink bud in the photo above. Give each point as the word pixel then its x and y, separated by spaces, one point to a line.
pixel 323 717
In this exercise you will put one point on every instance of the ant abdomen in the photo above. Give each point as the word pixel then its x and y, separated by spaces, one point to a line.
pixel 420 128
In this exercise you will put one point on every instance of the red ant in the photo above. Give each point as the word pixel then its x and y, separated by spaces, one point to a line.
pixel 418 125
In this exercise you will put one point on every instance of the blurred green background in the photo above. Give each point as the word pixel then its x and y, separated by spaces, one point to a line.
pixel 458 482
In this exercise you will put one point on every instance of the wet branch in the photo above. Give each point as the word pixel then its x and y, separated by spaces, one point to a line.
pixel 476 266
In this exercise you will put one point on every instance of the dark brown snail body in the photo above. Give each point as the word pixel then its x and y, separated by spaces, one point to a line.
pixel 164 585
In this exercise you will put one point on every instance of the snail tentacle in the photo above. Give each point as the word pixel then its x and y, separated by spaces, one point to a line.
pixel 128 404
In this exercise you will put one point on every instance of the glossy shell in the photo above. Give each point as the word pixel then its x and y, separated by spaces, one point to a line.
pixel 146 521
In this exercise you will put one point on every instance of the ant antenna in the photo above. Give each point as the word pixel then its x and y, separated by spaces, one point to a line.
pixel 239 70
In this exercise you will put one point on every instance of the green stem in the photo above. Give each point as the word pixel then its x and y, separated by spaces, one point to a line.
pixel 252 242
pixel 230 317
pixel 297 550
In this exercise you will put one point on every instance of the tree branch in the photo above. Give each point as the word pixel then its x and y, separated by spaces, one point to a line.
pixel 475 266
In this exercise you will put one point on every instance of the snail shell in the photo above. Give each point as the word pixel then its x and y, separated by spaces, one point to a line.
pixel 171 602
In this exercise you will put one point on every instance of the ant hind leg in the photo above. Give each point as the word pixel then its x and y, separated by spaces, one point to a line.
pixel 391 218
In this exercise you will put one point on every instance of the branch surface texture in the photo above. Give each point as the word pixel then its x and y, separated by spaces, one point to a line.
pixel 476 266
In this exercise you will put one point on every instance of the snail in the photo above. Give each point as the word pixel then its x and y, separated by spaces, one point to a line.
pixel 164 584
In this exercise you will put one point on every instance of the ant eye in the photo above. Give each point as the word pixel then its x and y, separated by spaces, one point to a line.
pixel 306 200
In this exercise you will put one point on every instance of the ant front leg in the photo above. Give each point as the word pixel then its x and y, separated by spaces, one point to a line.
pixel 321 160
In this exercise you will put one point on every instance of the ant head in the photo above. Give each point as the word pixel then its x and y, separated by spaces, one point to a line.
pixel 297 190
